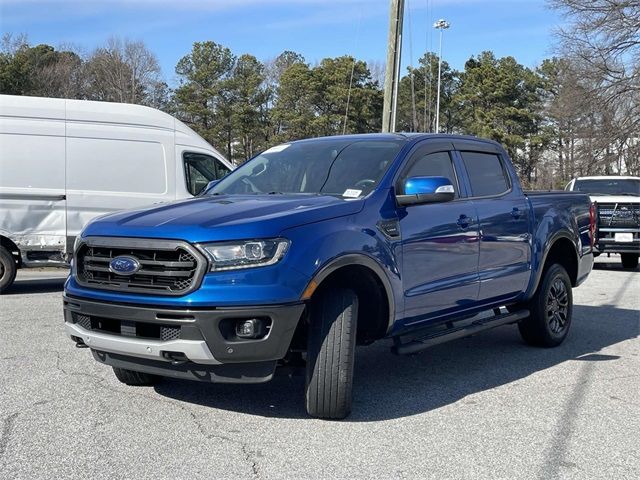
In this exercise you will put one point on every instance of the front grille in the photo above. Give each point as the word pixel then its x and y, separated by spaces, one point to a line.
pixel 127 328
pixel 165 268
pixel 619 215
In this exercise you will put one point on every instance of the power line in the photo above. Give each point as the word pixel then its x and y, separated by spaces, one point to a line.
pixel 353 66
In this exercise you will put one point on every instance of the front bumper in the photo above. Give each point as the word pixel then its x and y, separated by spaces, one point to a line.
pixel 606 241
pixel 613 247
pixel 149 339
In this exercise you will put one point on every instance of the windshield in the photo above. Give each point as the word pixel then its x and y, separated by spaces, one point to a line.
pixel 342 166
pixel 609 186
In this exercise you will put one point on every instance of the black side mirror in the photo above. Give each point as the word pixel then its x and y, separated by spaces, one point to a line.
pixel 419 190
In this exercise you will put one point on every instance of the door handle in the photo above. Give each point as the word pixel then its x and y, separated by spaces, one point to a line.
pixel 515 213
pixel 464 221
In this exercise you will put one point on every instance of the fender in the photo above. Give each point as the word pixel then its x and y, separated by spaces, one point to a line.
pixel 365 261
pixel 533 286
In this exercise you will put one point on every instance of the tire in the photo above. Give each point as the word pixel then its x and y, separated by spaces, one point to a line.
pixel 8 269
pixel 136 379
pixel 629 260
pixel 548 327
pixel 331 354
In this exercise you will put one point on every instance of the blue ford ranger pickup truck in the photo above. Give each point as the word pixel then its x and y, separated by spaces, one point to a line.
pixel 318 245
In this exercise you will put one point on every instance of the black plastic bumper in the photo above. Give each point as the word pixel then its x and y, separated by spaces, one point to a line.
pixel 612 247
pixel 233 359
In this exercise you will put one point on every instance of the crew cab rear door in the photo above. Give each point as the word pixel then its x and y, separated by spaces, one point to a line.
pixel 503 211
pixel 439 240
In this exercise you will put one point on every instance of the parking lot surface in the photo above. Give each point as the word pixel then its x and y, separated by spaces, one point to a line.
pixel 483 407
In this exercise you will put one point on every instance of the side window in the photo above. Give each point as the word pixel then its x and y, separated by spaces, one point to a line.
pixel 200 169
pixel 437 164
pixel 221 169
pixel 486 173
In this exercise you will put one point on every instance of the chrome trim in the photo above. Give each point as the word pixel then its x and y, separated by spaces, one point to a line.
pixel 195 350
pixel 202 263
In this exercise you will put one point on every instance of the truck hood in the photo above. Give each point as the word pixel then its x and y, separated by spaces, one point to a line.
pixel 224 217
pixel 614 198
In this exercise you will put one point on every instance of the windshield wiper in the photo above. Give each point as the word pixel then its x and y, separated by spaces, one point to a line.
pixel 275 193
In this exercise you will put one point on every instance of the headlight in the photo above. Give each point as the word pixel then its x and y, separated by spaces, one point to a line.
pixel 251 253
pixel 76 243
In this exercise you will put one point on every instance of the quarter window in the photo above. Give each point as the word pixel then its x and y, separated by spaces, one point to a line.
pixel 437 164
pixel 200 169
pixel 486 174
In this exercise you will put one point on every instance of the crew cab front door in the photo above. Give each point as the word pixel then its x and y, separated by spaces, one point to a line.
pixel 439 242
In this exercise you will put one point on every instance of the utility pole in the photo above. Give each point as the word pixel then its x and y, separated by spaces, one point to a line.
pixel 392 71
pixel 440 25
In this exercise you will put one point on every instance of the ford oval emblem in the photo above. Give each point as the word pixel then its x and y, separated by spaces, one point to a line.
pixel 124 265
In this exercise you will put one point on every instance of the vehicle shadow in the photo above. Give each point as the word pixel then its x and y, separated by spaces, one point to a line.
pixel 612 264
pixel 35 285
pixel 388 386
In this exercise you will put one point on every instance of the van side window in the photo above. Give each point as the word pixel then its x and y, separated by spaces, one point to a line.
pixel 486 174
pixel 437 164
pixel 200 169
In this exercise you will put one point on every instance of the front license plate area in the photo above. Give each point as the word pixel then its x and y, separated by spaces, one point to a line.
pixel 624 237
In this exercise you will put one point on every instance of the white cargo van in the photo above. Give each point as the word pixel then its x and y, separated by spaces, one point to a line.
pixel 64 162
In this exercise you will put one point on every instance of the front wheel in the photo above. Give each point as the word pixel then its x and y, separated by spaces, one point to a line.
pixel 551 310
pixel 331 354
pixel 629 260
pixel 8 269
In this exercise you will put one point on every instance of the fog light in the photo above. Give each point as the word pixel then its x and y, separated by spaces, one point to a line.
pixel 250 328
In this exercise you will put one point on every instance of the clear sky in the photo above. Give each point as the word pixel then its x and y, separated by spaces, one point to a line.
pixel 314 28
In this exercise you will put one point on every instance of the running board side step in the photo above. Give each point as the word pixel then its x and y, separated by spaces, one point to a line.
pixel 453 333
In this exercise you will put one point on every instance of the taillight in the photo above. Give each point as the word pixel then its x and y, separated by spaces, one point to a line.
pixel 592 223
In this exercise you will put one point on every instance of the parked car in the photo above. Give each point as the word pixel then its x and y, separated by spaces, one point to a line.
pixel 64 162
pixel 318 245
pixel 618 205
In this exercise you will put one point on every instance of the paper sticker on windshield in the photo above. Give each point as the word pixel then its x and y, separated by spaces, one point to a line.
pixel 351 193
pixel 277 148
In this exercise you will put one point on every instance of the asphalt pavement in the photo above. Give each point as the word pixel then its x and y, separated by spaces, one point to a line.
pixel 483 407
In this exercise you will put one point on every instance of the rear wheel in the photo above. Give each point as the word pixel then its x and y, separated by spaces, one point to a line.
pixel 551 310
pixel 629 260
pixel 8 269
pixel 331 354
pixel 138 379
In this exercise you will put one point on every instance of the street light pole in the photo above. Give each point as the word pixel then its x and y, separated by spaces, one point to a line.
pixel 440 25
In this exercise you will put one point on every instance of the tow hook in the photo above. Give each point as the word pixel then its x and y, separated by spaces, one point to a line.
pixel 176 358
pixel 79 342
